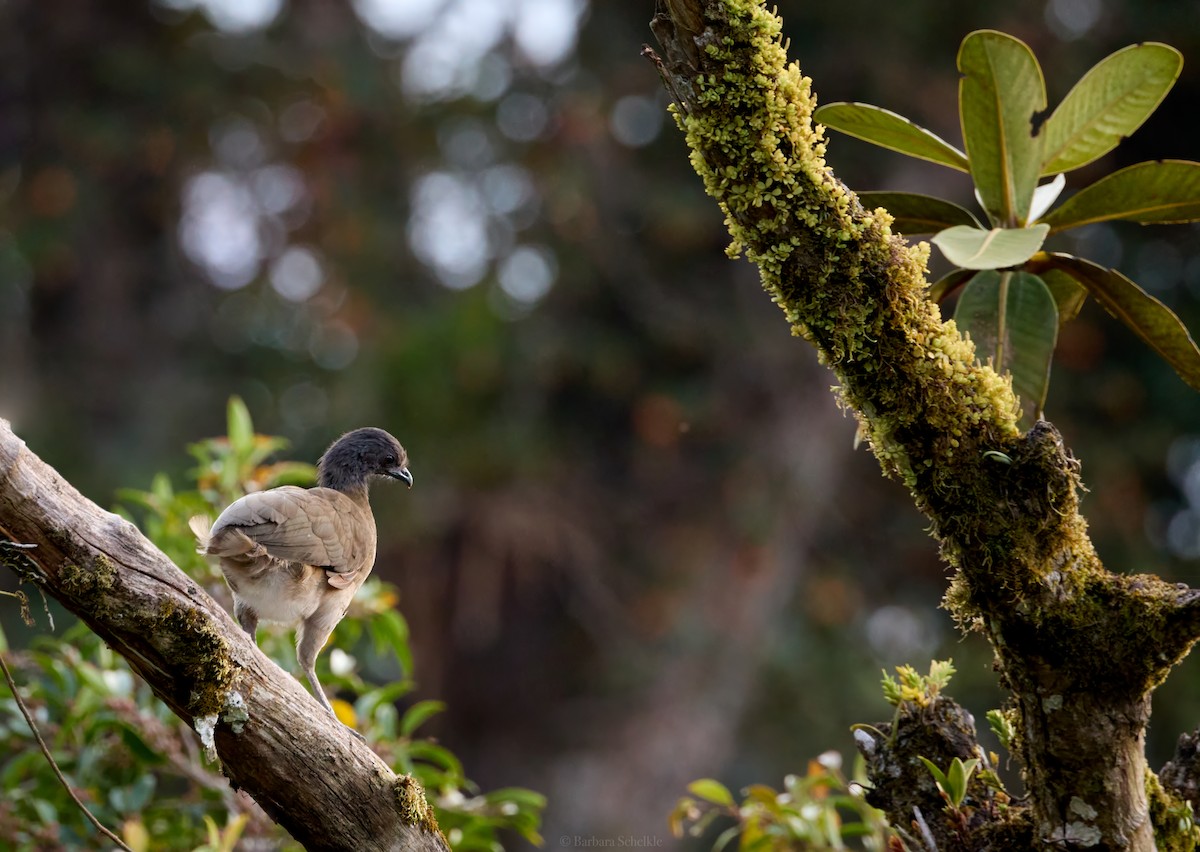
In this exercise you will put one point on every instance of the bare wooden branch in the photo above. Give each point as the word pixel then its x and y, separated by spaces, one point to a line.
pixel 306 770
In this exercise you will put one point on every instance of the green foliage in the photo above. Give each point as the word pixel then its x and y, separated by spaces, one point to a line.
pixel 913 213
pixel 915 688
pixel 1107 104
pixel 1025 335
pixel 138 767
pixel 1000 89
pixel 953 782
pixel 889 130
pixel 975 248
pixel 821 810
pixel 1002 726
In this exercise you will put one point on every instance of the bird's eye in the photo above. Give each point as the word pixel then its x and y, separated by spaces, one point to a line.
pixel 389 461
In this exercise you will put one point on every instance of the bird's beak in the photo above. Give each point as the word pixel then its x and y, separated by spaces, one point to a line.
pixel 403 474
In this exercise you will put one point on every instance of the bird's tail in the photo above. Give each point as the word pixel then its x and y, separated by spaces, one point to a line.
pixel 201 526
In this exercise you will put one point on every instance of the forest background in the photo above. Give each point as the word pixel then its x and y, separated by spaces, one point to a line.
pixel 642 548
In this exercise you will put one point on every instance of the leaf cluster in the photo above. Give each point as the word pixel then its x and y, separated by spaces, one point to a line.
pixel 1015 295
pixel 820 810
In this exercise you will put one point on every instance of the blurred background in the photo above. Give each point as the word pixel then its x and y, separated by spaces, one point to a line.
pixel 641 548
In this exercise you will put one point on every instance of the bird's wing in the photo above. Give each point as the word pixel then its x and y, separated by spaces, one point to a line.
pixel 315 526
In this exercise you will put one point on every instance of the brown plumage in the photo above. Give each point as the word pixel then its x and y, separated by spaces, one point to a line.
pixel 297 556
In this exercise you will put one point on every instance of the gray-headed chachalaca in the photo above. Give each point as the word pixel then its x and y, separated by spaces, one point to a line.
pixel 297 555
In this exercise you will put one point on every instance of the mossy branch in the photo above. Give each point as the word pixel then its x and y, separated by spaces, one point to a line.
pixel 1079 647
pixel 326 787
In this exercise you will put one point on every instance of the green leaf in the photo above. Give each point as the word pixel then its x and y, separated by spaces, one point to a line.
pixel 918 214
pixel 939 777
pixel 390 630
pixel 1013 320
pixel 949 282
pixel 959 777
pixel 1162 191
pixel 711 791
pixel 1108 103
pixel 1069 295
pixel 975 248
pixel 1000 92
pixel 239 426
pixel 418 714
pixel 520 796
pixel 369 702
pixel 888 130
pixel 726 837
pixel 437 755
pixel 1149 318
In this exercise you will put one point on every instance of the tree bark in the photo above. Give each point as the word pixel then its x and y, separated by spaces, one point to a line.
pixel 1080 648
pixel 305 769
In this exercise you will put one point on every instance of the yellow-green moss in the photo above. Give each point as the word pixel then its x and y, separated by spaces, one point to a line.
pixel 82 583
pixel 1174 825
pixel 414 807
pixel 199 654
pixel 843 281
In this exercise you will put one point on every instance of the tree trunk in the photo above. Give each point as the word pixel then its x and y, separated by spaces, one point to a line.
pixel 1080 648
pixel 304 768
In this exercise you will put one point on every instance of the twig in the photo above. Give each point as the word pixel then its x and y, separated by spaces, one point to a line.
pixel 23 601
pixel 58 772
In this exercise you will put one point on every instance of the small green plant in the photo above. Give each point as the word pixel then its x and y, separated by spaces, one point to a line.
pixel 138 767
pixel 918 689
pixel 1002 726
pixel 1014 295
pixel 952 783
pixel 820 810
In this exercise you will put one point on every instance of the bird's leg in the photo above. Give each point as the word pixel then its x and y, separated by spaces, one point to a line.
pixel 246 617
pixel 310 639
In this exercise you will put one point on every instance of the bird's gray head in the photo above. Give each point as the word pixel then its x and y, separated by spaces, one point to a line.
pixel 355 457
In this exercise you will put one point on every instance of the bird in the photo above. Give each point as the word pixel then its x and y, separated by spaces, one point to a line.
pixel 296 556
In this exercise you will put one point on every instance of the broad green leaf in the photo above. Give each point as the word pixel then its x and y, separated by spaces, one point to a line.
pixel 1162 191
pixel 415 716
pixel 1000 91
pixel 975 248
pixel 918 214
pixel 711 791
pixel 390 630
pixel 437 755
pixel 1012 318
pixel 1069 295
pixel 959 777
pixel 945 285
pixel 887 129
pixel 1149 318
pixel 1108 104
